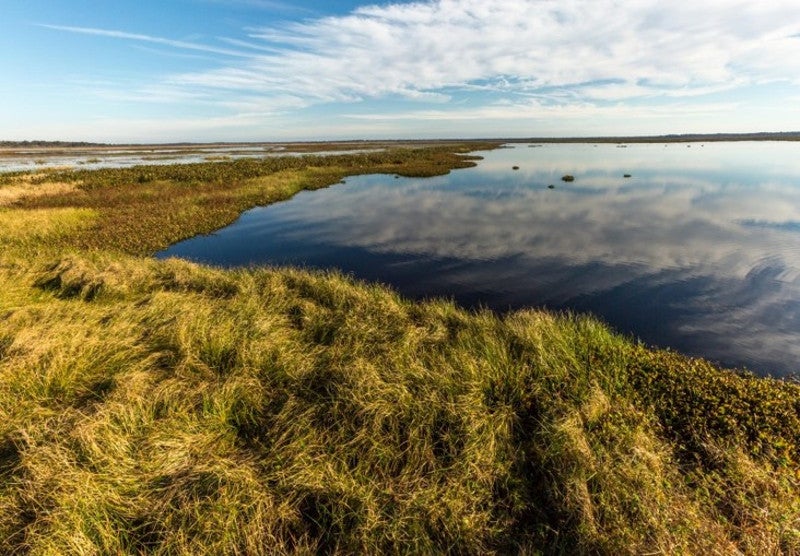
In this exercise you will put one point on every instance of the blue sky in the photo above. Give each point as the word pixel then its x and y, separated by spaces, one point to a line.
pixel 262 70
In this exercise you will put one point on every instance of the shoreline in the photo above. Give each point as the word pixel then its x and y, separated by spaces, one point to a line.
pixel 310 146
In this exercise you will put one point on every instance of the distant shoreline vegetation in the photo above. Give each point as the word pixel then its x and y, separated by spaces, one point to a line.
pixel 670 138
pixel 36 143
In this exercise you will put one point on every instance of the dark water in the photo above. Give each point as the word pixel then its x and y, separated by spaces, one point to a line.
pixel 699 250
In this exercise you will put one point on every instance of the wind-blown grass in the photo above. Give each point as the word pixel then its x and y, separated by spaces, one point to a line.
pixel 168 408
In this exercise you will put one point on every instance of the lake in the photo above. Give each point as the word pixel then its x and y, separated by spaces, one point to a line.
pixel 699 250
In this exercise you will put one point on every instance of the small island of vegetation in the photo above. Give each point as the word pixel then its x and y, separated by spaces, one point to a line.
pixel 167 407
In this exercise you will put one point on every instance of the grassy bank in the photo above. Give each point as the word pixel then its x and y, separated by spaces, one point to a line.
pixel 164 407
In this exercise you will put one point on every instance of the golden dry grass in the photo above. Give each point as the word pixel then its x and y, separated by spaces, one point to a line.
pixel 23 188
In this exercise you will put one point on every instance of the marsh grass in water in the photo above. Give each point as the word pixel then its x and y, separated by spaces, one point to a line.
pixel 147 208
pixel 169 408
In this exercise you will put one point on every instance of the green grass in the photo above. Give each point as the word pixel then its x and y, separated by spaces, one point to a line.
pixel 169 408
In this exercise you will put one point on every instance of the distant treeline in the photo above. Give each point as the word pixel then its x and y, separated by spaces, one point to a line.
pixel 18 144
pixel 673 138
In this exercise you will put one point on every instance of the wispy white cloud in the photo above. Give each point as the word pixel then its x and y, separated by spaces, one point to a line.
pixel 170 53
pixel 146 38
pixel 534 109
pixel 250 45
pixel 511 58
pixel 647 48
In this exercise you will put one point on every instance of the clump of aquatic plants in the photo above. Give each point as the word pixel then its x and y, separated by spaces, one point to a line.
pixel 169 408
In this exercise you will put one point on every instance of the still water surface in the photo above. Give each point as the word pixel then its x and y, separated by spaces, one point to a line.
pixel 699 250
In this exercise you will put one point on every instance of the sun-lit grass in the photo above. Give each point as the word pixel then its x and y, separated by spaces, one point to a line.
pixel 38 229
pixel 169 408
pixel 24 188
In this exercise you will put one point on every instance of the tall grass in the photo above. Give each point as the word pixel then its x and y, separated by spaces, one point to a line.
pixel 168 408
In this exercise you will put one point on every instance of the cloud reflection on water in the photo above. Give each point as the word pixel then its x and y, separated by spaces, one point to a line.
pixel 671 255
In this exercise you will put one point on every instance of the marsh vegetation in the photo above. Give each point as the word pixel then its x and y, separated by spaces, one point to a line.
pixel 170 408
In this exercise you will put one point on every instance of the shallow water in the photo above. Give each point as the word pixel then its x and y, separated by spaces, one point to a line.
pixel 34 159
pixel 698 251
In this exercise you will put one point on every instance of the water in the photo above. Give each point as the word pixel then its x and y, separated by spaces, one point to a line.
pixel 35 159
pixel 698 251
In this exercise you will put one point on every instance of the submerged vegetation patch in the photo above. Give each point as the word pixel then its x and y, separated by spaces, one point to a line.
pixel 165 407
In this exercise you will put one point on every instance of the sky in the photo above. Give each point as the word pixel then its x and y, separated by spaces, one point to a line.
pixel 277 70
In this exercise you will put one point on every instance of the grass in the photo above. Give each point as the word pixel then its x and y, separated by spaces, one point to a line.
pixel 169 408
pixel 146 208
